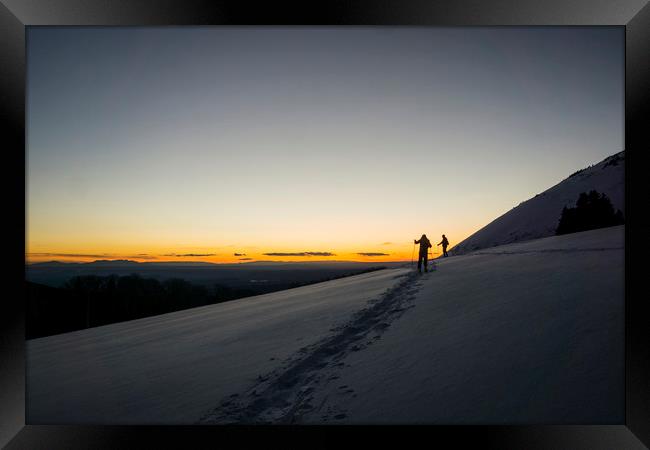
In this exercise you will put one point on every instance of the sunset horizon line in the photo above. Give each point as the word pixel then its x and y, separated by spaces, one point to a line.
pixel 224 262
pixel 399 252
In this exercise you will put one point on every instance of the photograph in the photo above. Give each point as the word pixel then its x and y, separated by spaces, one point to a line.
pixel 325 225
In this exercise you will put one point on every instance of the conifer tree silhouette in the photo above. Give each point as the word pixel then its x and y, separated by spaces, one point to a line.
pixel 593 210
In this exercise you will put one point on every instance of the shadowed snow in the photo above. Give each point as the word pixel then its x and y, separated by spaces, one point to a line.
pixel 530 332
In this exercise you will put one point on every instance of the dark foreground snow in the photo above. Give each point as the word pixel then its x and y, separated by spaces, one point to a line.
pixel 523 333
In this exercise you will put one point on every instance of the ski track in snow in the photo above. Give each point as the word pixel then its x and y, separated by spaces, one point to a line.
pixel 285 394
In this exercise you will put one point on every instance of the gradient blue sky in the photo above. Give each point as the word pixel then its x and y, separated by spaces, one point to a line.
pixel 357 139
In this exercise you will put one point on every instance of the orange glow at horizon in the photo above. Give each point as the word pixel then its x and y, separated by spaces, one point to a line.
pixel 386 251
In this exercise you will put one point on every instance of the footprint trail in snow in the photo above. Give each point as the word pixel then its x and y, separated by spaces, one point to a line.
pixel 286 393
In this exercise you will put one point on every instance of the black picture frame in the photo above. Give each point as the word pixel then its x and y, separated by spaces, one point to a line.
pixel 634 15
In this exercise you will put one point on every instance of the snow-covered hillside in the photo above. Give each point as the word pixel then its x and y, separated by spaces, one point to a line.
pixel 539 216
pixel 524 333
pixel 173 367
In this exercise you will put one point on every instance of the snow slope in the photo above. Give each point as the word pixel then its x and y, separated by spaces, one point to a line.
pixel 539 216
pixel 524 333
pixel 172 367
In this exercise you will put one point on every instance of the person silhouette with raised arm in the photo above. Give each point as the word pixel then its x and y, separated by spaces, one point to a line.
pixel 425 244
pixel 444 243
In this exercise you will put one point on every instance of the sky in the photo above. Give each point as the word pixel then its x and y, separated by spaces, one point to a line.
pixel 229 144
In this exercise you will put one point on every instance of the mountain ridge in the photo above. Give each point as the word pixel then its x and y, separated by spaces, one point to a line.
pixel 539 216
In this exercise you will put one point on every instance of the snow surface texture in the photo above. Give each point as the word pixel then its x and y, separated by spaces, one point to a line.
pixel 539 216
pixel 524 333
pixel 173 367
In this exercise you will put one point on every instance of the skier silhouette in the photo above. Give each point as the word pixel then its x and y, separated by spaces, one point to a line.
pixel 444 243
pixel 425 244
